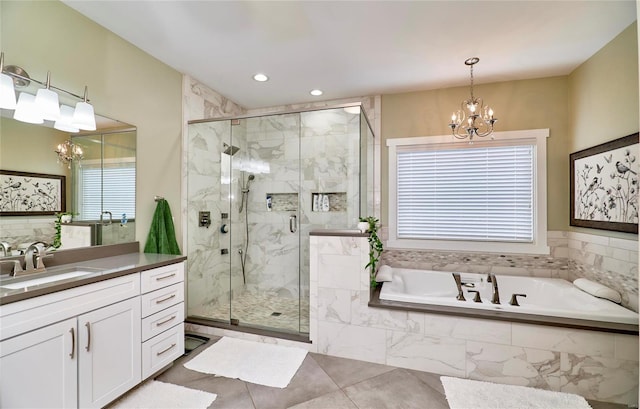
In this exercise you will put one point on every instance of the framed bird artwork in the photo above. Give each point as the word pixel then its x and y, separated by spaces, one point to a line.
pixel 604 186
pixel 31 194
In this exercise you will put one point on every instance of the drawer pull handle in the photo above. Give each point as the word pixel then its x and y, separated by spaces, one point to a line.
pixel 73 342
pixel 158 324
pixel 165 277
pixel 88 325
pixel 166 350
pixel 165 299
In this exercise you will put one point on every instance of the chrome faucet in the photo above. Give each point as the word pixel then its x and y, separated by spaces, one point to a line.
pixel 102 218
pixel 17 267
pixel 495 297
pixel 33 256
pixel 458 280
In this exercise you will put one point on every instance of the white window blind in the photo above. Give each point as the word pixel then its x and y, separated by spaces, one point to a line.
pixel 466 193
pixel 111 187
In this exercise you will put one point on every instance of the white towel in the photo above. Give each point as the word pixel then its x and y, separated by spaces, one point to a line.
pixel 385 273
pixel 598 290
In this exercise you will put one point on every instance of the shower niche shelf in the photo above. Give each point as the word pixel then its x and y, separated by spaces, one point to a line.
pixel 337 201
pixel 282 202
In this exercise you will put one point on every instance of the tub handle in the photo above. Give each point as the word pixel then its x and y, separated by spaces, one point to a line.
pixel 476 298
pixel 514 299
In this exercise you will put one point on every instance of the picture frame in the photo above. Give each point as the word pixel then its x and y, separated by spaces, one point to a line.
pixel 604 186
pixel 31 194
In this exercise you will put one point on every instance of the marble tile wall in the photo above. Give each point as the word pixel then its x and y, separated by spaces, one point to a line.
pixel 598 365
pixel 18 230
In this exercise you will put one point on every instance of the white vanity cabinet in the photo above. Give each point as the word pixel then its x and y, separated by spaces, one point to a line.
pixel 162 302
pixel 85 361
pixel 108 353
pixel 88 345
pixel 39 369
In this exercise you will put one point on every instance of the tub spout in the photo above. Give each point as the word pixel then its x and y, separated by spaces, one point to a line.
pixel 495 297
pixel 458 280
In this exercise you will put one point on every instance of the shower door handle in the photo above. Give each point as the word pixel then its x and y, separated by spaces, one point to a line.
pixel 293 223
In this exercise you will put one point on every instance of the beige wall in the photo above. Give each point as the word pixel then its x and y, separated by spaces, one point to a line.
pixel 527 104
pixel 124 83
pixel 596 103
pixel 603 94
pixel 603 100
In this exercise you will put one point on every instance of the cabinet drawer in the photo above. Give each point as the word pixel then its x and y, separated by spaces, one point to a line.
pixel 162 350
pixel 161 321
pixel 23 316
pixel 151 280
pixel 161 299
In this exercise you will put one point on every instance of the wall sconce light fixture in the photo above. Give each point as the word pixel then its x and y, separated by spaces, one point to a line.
pixel 45 104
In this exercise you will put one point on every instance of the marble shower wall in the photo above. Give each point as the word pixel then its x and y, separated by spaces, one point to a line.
pixel 597 365
pixel 310 152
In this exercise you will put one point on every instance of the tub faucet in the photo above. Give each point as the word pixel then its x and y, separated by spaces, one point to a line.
pixel 495 297
pixel 458 280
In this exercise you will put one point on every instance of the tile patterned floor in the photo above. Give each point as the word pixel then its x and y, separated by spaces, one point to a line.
pixel 258 310
pixel 325 382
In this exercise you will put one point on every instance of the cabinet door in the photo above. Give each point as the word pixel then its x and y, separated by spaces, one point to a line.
pixel 39 368
pixel 109 353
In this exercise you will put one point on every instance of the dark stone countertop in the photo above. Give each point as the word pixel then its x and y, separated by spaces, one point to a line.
pixel 101 268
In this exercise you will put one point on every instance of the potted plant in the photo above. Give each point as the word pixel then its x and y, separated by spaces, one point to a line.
pixel 375 246
pixel 62 217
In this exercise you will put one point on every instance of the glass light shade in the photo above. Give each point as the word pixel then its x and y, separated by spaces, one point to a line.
pixel 66 118
pixel 7 92
pixel 26 110
pixel 47 103
pixel 84 117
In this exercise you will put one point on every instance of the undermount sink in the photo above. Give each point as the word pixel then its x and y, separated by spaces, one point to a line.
pixel 16 283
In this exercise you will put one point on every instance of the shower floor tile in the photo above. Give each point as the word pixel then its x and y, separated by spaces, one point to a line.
pixel 261 310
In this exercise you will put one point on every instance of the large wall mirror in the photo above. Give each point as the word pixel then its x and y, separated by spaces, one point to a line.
pixel 99 189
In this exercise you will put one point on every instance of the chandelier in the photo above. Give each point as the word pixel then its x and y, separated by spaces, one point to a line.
pixel 69 152
pixel 474 118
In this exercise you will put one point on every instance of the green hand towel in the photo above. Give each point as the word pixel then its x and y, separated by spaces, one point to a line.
pixel 162 235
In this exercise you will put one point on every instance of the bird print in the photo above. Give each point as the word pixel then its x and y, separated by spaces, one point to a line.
pixel 608 159
pixel 622 168
pixel 599 168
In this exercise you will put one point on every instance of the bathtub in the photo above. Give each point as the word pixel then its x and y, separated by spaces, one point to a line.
pixel 551 297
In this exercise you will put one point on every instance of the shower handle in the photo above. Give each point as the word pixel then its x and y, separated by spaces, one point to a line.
pixel 293 223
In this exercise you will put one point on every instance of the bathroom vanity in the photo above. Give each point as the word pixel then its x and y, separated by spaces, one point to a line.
pixel 84 340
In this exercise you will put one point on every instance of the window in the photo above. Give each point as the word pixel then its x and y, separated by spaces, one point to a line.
pixel 108 186
pixel 486 196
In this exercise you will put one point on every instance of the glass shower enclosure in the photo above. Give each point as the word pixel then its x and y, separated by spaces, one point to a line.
pixel 263 183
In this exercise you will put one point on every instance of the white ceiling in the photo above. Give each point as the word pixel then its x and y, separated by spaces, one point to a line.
pixel 356 48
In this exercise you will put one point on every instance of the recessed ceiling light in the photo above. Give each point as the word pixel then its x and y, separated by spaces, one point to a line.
pixel 315 92
pixel 260 77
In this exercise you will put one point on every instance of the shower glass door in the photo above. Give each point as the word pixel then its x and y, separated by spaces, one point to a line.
pixel 265 174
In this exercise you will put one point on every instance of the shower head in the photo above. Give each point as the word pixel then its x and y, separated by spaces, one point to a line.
pixel 251 176
pixel 229 149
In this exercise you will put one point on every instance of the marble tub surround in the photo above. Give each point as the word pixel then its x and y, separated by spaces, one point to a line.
pixel 612 262
pixel 597 365
pixel 608 260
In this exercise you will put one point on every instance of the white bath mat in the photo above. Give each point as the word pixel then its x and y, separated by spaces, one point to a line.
pixel 468 394
pixel 255 362
pixel 154 394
